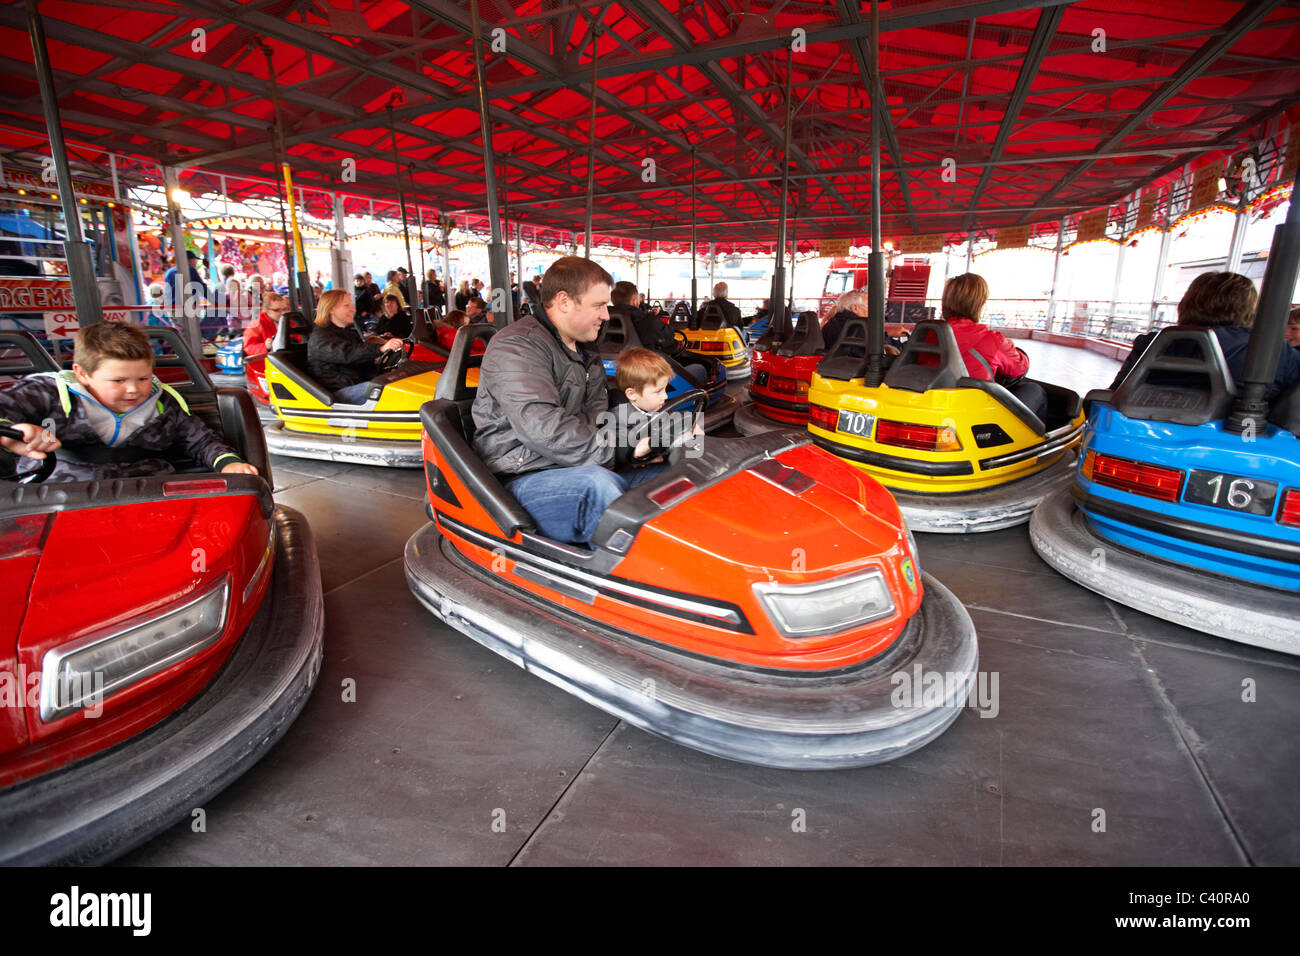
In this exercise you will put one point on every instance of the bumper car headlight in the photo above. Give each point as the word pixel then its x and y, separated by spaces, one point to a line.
pixel 74 676
pixel 808 610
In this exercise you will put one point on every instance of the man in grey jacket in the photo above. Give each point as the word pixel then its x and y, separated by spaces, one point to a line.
pixel 539 412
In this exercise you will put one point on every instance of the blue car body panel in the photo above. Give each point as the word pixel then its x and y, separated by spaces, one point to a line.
pixel 1250 547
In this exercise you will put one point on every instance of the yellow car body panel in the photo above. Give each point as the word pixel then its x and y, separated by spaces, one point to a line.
pixel 1017 453
pixel 395 417
pixel 730 355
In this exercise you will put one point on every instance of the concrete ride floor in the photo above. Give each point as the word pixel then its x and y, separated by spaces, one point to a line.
pixel 1118 739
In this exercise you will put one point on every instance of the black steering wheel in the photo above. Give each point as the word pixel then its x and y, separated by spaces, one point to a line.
pixel 680 343
pixel 670 435
pixel 36 475
pixel 391 359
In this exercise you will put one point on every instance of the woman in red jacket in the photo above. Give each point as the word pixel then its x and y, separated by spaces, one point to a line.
pixel 988 354
pixel 258 336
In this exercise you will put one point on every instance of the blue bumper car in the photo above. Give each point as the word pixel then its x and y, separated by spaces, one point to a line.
pixel 1179 511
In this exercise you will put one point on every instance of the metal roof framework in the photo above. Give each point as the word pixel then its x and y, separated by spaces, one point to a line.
pixel 1000 112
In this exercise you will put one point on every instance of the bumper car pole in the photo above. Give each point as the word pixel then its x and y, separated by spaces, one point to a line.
pixel 695 298
pixel 277 142
pixel 1250 409
pixel 498 257
pixel 874 374
pixel 81 273
pixel 393 100
pixel 778 324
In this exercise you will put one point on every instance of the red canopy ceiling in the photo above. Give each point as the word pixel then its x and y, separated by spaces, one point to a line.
pixel 999 112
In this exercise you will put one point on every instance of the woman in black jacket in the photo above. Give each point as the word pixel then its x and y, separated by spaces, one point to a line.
pixel 435 296
pixel 336 356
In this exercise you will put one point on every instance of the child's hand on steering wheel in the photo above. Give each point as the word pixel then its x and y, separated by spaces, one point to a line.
pixel 392 344
pixel 36 441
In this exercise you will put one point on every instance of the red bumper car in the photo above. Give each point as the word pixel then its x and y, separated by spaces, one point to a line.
pixel 782 372
pixel 158 636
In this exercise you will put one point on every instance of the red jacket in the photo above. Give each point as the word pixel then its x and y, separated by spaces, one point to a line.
pixel 258 336
pixel 996 349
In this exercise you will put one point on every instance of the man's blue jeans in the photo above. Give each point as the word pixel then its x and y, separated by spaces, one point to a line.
pixel 567 503
pixel 353 394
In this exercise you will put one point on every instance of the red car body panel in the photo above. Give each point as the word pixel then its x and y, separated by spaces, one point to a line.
pixel 161 553
pixel 775 371
pixel 255 375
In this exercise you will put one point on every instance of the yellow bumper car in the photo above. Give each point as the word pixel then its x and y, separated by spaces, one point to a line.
pixel 960 454
pixel 384 430
pixel 710 335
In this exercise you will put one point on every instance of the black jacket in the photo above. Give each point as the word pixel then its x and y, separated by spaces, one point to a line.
pixel 435 297
pixel 338 358
pixel 729 311
pixel 540 404
pixel 651 330
pixel 167 428
pixel 1233 339
pixel 398 326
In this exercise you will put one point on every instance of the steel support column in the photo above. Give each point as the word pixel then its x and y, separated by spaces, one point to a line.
pixel 184 306
pixel 1162 263
pixel 341 260
pixel 1114 290
pixel 1056 271
pixel 1238 241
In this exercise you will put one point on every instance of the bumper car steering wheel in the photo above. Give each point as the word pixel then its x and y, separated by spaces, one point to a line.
pixel 36 475
pixel 669 435
pixel 680 344
pixel 391 359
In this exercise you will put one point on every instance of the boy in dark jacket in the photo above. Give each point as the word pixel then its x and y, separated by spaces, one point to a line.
pixel 110 416
pixel 643 377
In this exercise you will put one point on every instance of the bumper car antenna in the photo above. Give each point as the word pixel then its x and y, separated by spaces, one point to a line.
pixel 778 327
pixel 874 374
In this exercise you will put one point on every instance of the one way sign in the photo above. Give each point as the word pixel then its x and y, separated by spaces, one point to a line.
pixel 60 325
pixel 64 325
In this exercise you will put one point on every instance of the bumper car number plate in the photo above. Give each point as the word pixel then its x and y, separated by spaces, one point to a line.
pixel 855 423
pixel 1235 493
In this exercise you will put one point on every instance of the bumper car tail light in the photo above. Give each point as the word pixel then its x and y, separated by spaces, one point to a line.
pixel 809 610
pixel 1085 469
pixel 1289 513
pixel 201 486
pixel 76 675
pixel 788 386
pixel 712 346
pixel 671 494
pixel 823 417
pixel 923 437
pixel 1137 477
